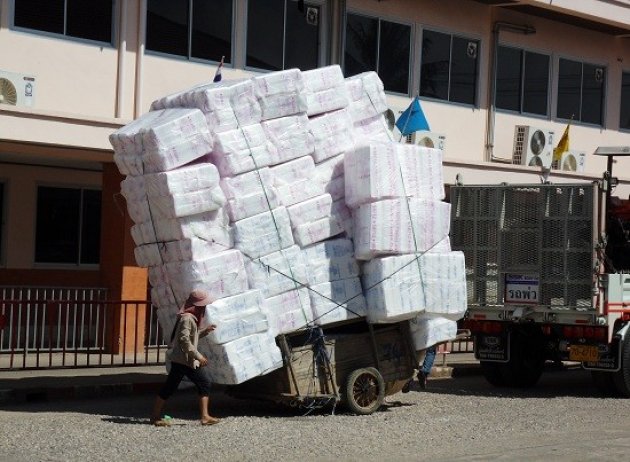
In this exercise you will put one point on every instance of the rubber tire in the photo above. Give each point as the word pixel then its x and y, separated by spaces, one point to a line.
pixel 494 373
pixel 621 378
pixel 605 383
pixel 527 360
pixel 364 391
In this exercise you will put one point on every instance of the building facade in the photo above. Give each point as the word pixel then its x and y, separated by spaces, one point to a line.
pixel 77 71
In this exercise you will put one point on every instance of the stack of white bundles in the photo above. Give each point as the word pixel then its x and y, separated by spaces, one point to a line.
pixel 336 301
pixel 291 136
pixel 399 226
pixel 325 90
pixel 241 359
pixel 401 287
pixel 264 233
pixel 330 173
pixel 208 226
pixel 367 96
pixel 161 141
pixel 319 218
pixel 249 194
pixel 426 331
pixel 380 171
pixel 181 250
pixel 222 275
pixel 373 129
pixel 331 260
pixel 278 272
pixel 293 181
pixel 333 134
pixel 288 311
pixel 280 94
pixel 236 316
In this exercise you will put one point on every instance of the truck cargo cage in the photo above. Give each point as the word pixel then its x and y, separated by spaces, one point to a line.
pixel 540 234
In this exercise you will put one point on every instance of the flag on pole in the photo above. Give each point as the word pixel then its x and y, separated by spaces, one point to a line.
pixel 563 145
pixel 413 119
pixel 217 75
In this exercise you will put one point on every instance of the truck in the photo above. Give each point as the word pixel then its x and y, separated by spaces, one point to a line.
pixel 548 277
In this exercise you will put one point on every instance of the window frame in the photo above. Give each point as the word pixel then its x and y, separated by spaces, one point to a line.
pixel 190 58
pixel 78 264
pixel 116 12
pixel 623 72
pixel 550 82
pixel 582 62
pixel 324 24
pixel 412 45
pixel 476 38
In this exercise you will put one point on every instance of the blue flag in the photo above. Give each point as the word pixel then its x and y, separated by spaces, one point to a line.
pixel 412 119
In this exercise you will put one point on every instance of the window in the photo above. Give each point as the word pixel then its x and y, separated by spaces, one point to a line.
pixel 449 67
pixel 200 29
pixel 624 115
pixel 68 228
pixel 376 45
pixel 522 83
pixel 1 221
pixel 283 34
pixel 74 18
pixel 581 91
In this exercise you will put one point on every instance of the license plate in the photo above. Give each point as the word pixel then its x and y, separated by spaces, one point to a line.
pixel 583 353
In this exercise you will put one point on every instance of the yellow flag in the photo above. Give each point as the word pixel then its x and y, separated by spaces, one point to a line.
pixel 563 145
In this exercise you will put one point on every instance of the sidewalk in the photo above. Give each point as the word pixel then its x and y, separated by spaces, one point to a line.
pixel 55 384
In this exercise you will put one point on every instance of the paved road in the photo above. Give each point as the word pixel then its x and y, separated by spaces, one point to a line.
pixel 456 419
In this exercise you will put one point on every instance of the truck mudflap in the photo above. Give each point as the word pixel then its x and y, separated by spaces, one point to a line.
pixel 493 347
pixel 609 358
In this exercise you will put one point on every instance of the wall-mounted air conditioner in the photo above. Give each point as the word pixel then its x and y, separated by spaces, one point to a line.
pixel 571 161
pixel 532 146
pixel 17 89
pixel 429 140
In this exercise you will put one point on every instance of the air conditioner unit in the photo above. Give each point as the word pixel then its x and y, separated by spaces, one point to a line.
pixel 571 161
pixel 532 146
pixel 17 89
pixel 429 140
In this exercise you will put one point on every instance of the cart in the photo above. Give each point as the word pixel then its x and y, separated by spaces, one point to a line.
pixel 355 363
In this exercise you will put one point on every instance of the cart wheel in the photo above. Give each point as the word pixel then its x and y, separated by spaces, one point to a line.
pixel 364 391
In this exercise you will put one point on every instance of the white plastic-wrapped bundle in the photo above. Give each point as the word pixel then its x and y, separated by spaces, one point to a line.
pixel 181 180
pixel 291 136
pixel 399 226
pixel 337 301
pixel 401 287
pixel 288 311
pixel 426 332
pixel 168 139
pixel 176 205
pixel 182 250
pixel 294 183
pixel 330 168
pixel 167 317
pixel 278 272
pixel 332 133
pixel 236 316
pixel 242 359
pixel 373 129
pixel 264 233
pixel 325 90
pixel 249 194
pixel 367 96
pixel 388 170
pixel 336 188
pixel 242 150
pixel 317 231
pixel 280 94
pixel 310 210
pixel 330 261
pixel 221 275
pixel 208 226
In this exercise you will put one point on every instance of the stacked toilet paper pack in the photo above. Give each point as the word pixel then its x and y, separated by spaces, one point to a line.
pixel 241 188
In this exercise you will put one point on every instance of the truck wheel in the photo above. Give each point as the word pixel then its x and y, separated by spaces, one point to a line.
pixel 493 372
pixel 364 391
pixel 526 360
pixel 605 383
pixel 622 376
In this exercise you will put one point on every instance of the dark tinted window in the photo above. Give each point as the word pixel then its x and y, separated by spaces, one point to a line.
pixel 167 26
pixel 463 71
pixel 377 45
pixel 75 18
pixel 212 30
pixel 508 81
pixel 302 38
pixel 68 225
pixel 522 81
pixel 536 83
pixel 580 91
pixel 624 116
pixel 1 221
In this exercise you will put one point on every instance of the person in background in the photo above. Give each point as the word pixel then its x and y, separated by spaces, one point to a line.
pixel 424 370
pixel 186 360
